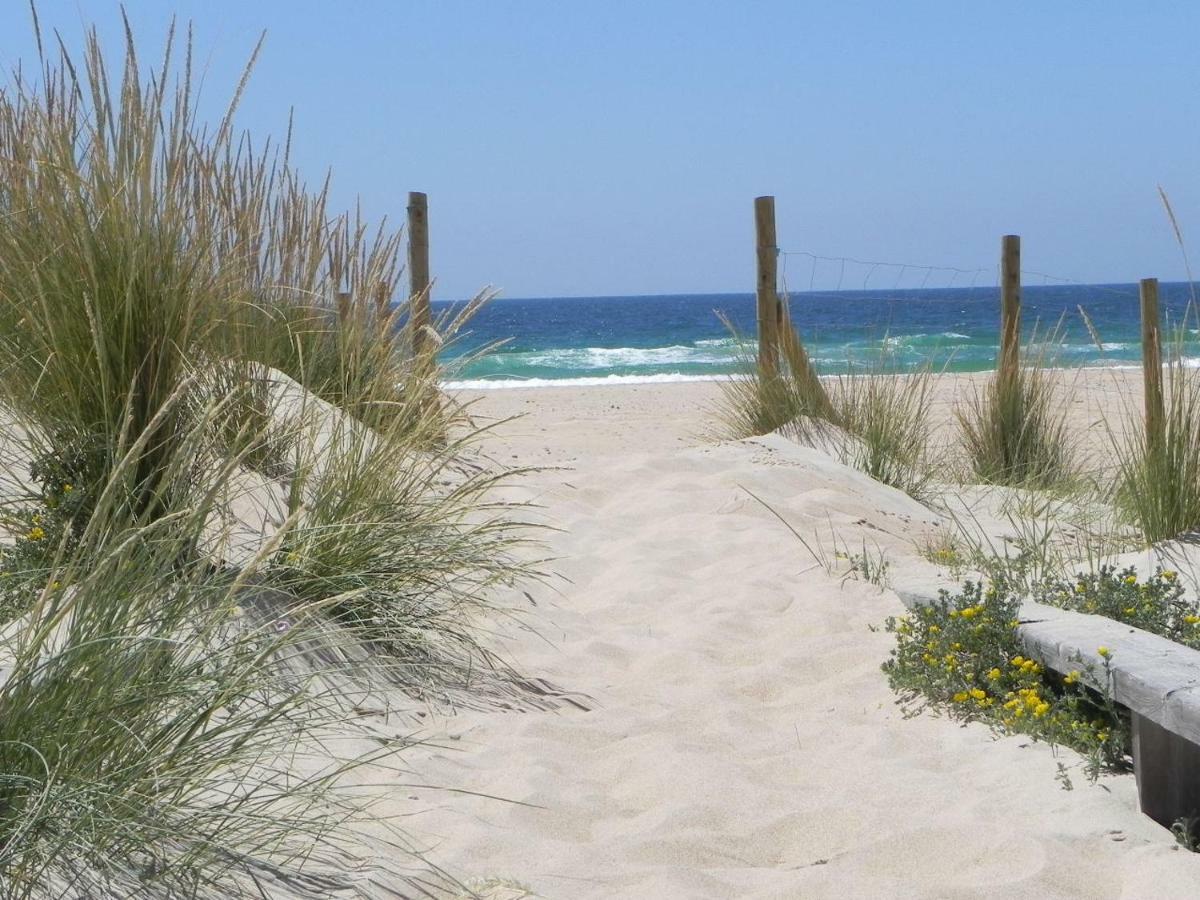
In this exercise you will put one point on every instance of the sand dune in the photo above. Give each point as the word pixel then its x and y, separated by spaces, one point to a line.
pixel 741 740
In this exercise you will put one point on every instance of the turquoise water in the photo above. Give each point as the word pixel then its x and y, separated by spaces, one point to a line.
pixel 681 337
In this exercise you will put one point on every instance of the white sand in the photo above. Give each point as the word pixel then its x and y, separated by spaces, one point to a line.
pixel 742 741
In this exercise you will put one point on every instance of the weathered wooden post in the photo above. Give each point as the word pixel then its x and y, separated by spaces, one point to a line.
pixel 767 289
pixel 1010 307
pixel 420 319
pixel 1152 362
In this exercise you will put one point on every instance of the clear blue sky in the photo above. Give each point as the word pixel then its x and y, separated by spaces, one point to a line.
pixel 615 147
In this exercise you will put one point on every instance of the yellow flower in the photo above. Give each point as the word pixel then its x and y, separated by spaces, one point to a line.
pixel 934 629
pixel 1018 661
pixel 1130 610
pixel 978 693
pixel 994 674
pixel 1169 575
pixel 1041 709
pixel 1081 588
pixel 960 697
pixel 1131 579
pixel 1104 651
pixel 954 613
pixel 1014 623
pixel 1072 677
pixel 970 612
pixel 55 585
pixel 67 488
pixel 1191 620
pixel 36 533
pixel 1102 735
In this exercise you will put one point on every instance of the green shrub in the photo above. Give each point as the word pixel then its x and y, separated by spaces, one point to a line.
pixel 961 656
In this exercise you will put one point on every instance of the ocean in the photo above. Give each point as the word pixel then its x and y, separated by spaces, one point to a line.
pixel 681 337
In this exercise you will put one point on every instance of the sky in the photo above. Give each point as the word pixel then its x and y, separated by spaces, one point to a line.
pixel 598 148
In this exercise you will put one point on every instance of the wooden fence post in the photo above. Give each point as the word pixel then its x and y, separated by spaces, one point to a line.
pixel 1152 360
pixel 767 289
pixel 420 318
pixel 1010 306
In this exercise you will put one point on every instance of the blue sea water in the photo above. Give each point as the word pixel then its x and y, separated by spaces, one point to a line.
pixel 599 340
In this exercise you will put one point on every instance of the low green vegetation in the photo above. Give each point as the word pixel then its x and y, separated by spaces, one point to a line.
pixel 1157 604
pixel 961 657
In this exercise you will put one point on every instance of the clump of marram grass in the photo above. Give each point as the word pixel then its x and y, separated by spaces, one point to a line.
pixel 406 548
pixel 883 415
pixel 156 739
pixel 167 701
pixel 134 242
pixel 887 414
pixel 1158 477
pixel 1015 431
pixel 753 403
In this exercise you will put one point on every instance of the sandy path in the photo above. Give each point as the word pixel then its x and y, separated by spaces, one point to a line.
pixel 742 740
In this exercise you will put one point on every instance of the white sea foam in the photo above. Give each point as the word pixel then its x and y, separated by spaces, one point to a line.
pixel 612 357
pixel 492 384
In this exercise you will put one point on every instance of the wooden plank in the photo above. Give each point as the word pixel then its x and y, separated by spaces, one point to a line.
pixel 420 318
pixel 1167 769
pixel 1152 360
pixel 1010 306
pixel 767 289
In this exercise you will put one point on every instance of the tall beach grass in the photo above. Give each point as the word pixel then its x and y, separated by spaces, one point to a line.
pixel 173 306
pixel 1015 432
pixel 875 418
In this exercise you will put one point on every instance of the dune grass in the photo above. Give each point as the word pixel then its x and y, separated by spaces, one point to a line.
pixel 170 714
pixel 753 403
pixel 1015 432
pixel 1158 479
pixel 883 415
pixel 154 740
pixel 888 414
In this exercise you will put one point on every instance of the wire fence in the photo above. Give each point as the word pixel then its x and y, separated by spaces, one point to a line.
pixel 949 314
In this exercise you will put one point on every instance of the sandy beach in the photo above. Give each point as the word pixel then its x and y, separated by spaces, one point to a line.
pixel 740 740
